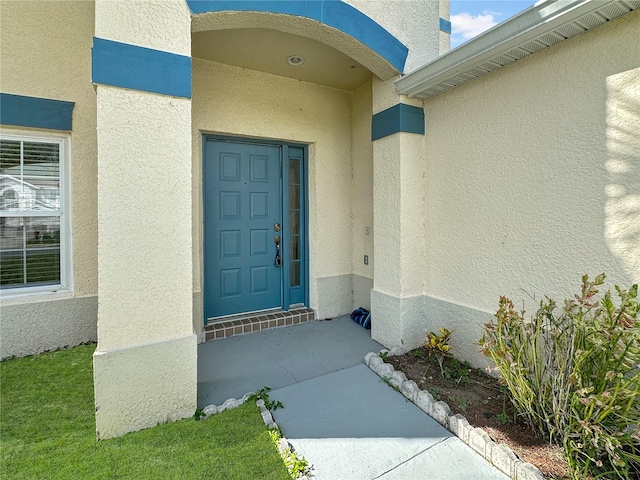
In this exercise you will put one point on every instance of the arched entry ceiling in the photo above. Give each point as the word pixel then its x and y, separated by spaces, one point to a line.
pixel 338 34
pixel 267 51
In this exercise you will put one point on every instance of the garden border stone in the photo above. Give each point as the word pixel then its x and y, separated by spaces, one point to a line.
pixel 499 455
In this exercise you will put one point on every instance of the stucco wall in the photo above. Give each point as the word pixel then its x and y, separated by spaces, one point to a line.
pixel 43 324
pixel 414 22
pixel 233 101
pixel 144 239
pixel 533 177
pixel 362 195
pixel 45 52
pixel 156 24
pixel 141 387
pixel 144 233
pixel 445 37
pixel 398 174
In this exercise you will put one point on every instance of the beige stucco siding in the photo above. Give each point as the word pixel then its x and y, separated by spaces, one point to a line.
pixel 156 24
pixel 532 177
pixel 144 236
pixel 362 196
pixel 45 50
pixel 415 23
pixel 234 101
pixel 144 241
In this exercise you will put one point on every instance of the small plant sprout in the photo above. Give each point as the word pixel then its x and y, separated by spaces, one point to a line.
pixel 437 345
pixel 263 394
pixel 504 415
pixel 423 377
pixel 198 414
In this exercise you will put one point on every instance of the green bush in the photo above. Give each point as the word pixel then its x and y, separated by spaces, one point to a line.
pixel 574 374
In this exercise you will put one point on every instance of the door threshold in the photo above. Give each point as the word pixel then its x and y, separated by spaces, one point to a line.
pixel 257 321
pixel 240 316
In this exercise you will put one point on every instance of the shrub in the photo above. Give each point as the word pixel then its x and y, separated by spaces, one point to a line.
pixel 574 374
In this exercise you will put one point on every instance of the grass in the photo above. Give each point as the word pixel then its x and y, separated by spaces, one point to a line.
pixel 47 430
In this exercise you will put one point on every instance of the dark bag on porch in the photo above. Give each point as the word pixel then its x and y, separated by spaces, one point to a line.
pixel 362 316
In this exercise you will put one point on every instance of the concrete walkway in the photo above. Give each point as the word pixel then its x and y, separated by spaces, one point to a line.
pixel 347 422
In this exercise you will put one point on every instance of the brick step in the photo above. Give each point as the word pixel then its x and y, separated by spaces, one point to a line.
pixel 242 324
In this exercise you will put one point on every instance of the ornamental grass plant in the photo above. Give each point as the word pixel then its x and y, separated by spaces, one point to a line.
pixel 574 374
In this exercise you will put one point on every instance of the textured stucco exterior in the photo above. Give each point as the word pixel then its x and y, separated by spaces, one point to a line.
pixel 398 180
pixel 414 22
pixel 144 169
pixel 398 201
pixel 157 24
pixel 65 321
pixel 531 181
pixel 289 110
pixel 542 137
pixel 145 293
pixel 445 37
pixel 45 52
pixel 139 387
pixel 362 188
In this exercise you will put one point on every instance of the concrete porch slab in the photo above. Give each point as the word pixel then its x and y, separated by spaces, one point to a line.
pixel 231 367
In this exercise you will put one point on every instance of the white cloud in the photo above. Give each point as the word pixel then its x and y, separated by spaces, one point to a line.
pixel 468 26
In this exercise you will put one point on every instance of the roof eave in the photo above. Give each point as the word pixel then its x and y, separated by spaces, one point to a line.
pixel 536 28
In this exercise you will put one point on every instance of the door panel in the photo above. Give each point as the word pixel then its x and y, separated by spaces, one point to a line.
pixel 242 204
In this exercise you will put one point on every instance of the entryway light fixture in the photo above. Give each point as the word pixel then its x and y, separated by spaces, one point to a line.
pixel 295 60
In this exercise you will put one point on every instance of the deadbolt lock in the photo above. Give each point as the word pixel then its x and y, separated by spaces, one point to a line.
pixel 276 227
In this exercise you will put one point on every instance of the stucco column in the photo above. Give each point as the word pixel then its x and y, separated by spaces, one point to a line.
pixel 398 201
pixel 145 364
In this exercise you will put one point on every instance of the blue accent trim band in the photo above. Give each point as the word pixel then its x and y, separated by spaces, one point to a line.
pixel 445 26
pixel 333 13
pixel 35 112
pixel 399 118
pixel 138 68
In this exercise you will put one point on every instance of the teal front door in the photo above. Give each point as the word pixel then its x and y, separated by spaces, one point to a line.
pixel 242 227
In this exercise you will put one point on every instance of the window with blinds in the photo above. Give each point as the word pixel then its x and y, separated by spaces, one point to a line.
pixel 31 209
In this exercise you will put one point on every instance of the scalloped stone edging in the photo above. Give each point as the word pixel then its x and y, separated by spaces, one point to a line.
pixel 227 405
pixel 284 447
pixel 499 455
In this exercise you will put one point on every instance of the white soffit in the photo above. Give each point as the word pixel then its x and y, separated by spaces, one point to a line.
pixel 534 29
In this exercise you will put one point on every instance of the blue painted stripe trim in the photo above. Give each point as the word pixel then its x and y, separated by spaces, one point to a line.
pixel 138 68
pixel 35 112
pixel 333 13
pixel 445 26
pixel 399 118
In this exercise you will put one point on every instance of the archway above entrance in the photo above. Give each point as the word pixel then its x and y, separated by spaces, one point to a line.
pixel 333 23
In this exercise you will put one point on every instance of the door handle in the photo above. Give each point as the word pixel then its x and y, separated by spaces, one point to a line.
pixel 276 240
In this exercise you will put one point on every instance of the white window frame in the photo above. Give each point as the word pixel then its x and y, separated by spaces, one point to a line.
pixel 66 256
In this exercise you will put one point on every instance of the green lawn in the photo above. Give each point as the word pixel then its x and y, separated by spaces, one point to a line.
pixel 47 431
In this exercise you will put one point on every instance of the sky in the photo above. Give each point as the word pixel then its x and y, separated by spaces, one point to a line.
pixel 472 17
